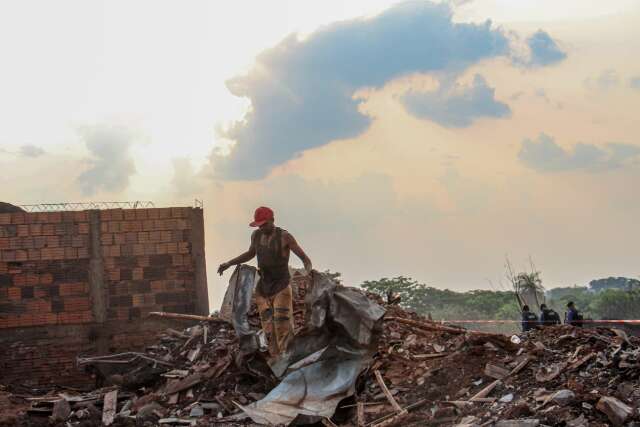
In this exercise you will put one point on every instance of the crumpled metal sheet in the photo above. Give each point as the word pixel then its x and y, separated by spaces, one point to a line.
pixel 320 367
pixel 236 306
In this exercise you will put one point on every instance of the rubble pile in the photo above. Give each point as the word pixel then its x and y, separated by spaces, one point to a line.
pixel 423 373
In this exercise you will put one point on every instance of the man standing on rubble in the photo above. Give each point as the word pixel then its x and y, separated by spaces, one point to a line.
pixel 548 316
pixel 274 297
pixel 529 319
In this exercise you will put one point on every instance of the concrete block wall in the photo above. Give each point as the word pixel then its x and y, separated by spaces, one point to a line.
pixel 83 282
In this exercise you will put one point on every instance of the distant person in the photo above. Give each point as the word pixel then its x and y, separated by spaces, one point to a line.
pixel 529 319
pixel 274 296
pixel 548 316
pixel 573 316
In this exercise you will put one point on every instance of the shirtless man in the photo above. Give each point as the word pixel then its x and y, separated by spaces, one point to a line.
pixel 272 245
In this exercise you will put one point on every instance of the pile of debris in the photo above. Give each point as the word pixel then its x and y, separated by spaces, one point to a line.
pixel 420 373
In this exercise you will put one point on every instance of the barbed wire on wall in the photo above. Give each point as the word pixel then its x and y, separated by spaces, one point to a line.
pixel 82 206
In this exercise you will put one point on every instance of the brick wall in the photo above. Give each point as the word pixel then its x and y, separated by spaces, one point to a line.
pixel 93 268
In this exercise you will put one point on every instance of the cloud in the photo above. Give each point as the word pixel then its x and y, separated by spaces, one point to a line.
pixel 457 105
pixel 634 82
pixel 32 151
pixel 543 50
pixel 545 155
pixel 185 181
pixel 607 80
pixel 301 91
pixel 111 163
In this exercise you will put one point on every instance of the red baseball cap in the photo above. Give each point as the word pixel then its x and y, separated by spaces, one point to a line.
pixel 262 215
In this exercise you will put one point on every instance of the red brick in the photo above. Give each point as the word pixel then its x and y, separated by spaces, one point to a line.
pixel 155 236
pixel 35 229
pixel 53 241
pixel 5 218
pixel 80 216
pixel 148 225
pixel 46 279
pixel 14 293
pixel 131 237
pixel 183 247
pixel 54 217
pixel 114 275
pixel 143 237
pixel 106 239
pixel 179 212
pixel 164 213
pixel 23 230
pixel 70 253
pixel 117 215
pixel 161 248
pixel 34 254
pixel 105 215
pixel 129 214
pixel 17 218
pixel 83 253
pixel 48 229
pixel 22 255
pixel 66 289
pixel 172 248
pixel 141 213
pixel 135 226
pixel 83 228
pixel 152 213
pixel 4 243
pixel 137 274
pixel 119 239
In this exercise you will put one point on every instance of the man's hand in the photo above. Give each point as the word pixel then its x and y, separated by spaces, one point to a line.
pixel 222 268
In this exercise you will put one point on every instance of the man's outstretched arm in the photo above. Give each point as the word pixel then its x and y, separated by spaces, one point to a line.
pixel 247 256
pixel 296 249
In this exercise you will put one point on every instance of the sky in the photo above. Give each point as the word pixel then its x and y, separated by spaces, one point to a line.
pixel 425 139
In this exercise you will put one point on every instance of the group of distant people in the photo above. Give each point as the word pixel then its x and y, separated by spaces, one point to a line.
pixel 549 317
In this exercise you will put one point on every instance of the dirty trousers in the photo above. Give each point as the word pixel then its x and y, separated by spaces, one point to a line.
pixel 276 317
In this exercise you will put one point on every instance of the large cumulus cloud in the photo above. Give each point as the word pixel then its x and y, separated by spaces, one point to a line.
pixel 457 105
pixel 545 155
pixel 301 91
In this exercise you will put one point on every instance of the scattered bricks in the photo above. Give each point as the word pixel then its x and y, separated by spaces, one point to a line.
pixel 119 239
pixel 41 292
pixel 161 248
pixel 166 236
pixel 104 227
pixel 83 228
pixel 143 237
pixel 143 261
pixel 177 260
pixel 131 237
pixel 148 225
pixel 172 248
pixel 80 241
pixel 135 226
pixel 184 248
pixel 5 218
pixel 80 216
pixel 3 268
pixel 155 236
pixel 83 253
pixel 31 279
pixel 137 300
pixel 119 288
pixel 4 243
pixel 114 227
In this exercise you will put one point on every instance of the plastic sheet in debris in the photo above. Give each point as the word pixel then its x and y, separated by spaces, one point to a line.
pixel 236 305
pixel 321 365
